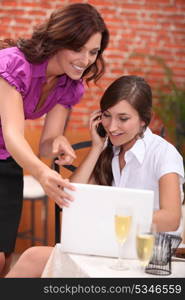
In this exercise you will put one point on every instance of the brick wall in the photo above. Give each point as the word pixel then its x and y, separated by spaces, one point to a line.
pixel 154 27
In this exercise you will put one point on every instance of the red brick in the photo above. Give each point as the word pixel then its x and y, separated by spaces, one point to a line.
pixel 9 3
pixel 161 2
pixel 180 3
pixel 36 13
pixel 33 4
pixel 15 12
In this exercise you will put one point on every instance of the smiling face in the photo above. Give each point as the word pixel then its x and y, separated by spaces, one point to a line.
pixel 122 124
pixel 74 63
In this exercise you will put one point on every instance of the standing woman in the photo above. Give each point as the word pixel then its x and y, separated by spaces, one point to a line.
pixel 40 76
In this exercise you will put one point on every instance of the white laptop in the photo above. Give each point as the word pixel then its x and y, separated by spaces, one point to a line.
pixel 88 223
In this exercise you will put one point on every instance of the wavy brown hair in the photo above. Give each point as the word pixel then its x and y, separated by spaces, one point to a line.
pixel 67 28
pixel 137 92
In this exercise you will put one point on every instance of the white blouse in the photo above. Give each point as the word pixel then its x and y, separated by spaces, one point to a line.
pixel 149 159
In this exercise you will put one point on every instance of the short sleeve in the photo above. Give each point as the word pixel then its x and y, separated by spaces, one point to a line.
pixel 73 92
pixel 15 69
pixel 170 161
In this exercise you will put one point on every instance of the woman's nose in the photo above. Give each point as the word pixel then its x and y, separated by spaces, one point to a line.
pixel 112 125
pixel 85 59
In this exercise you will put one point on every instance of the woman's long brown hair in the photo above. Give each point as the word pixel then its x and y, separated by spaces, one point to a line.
pixel 136 91
pixel 67 28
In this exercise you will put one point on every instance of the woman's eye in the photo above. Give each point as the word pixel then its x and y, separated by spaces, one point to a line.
pixel 124 119
pixel 95 52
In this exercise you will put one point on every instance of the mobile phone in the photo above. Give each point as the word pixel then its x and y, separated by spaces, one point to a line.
pixel 100 130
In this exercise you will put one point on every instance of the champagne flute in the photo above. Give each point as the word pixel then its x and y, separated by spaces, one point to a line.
pixel 122 223
pixel 145 237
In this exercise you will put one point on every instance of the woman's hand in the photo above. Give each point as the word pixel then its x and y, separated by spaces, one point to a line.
pixel 95 120
pixel 63 150
pixel 53 185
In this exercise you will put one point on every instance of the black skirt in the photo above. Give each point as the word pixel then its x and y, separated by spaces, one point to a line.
pixel 11 199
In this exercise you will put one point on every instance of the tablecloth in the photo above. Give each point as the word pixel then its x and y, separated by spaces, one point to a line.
pixel 66 265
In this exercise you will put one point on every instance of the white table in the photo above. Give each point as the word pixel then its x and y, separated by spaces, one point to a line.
pixel 65 265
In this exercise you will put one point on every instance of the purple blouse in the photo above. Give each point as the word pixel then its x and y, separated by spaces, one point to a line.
pixel 28 79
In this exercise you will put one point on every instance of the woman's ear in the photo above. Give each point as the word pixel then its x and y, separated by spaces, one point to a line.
pixel 142 129
pixel 143 124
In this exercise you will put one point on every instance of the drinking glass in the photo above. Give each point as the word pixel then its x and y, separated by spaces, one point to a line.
pixel 145 237
pixel 122 224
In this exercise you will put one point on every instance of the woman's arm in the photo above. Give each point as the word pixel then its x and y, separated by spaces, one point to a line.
pixel 12 120
pixel 83 174
pixel 52 142
pixel 167 218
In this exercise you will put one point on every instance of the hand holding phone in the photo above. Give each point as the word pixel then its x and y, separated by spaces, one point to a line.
pixel 95 121
pixel 100 130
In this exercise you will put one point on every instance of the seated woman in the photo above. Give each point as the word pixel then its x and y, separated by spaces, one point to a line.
pixel 127 154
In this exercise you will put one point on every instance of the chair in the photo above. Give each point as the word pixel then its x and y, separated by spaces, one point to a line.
pixel 33 192
pixel 72 168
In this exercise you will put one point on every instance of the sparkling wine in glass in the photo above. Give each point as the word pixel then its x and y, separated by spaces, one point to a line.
pixel 145 238
pixel 122 224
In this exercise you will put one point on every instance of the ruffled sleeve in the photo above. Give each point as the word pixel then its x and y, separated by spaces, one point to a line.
pixel 72 93
pixel 15 69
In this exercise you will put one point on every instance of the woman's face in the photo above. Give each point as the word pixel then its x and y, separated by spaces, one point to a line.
pixel 122 124
pixel 74 63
